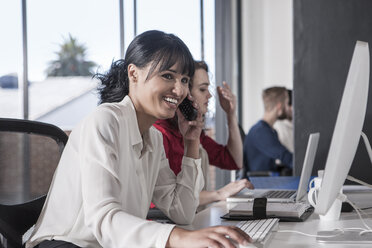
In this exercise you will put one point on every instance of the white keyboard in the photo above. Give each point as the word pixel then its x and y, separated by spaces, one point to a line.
pixel 259 230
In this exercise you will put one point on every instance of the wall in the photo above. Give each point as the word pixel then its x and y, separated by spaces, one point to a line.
pixel 324 38
pixel 267 51
pixel 267 41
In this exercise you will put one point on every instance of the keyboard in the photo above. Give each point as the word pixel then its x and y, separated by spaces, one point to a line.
pixel 282 194
pixel 259 230
pixel 281 182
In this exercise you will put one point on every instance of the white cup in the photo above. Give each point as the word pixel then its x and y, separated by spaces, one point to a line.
pixel 334 211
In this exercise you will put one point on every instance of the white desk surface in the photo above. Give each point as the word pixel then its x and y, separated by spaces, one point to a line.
pixel 211 216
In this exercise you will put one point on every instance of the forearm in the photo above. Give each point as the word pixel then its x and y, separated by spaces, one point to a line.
pixel 234 142
pixel 192 148
pixel 178 196
pixel 175 236
pixel 207 197
pixel 224 192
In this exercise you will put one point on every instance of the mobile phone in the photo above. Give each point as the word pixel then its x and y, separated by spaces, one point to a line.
pixel 188 110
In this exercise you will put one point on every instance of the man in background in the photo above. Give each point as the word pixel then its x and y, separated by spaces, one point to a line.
pixel 261 145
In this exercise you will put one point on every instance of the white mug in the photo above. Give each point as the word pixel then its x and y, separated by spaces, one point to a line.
pixel 334 211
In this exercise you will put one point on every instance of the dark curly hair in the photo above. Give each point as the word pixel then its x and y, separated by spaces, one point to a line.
pixel 157 48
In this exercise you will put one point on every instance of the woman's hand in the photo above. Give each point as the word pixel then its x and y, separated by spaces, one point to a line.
pixel 228 104
pixel 190 130
pixel 233 188
pixel 227 99
pixel 215 236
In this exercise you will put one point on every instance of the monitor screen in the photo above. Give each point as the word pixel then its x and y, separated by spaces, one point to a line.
pixel 348 128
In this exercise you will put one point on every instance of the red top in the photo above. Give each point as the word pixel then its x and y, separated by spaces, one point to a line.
pixel 218 155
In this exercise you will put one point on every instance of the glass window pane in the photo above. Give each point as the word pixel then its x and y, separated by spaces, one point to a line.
pixel 180 17
pixel 10 57
pixel 64 37
pixel 209 56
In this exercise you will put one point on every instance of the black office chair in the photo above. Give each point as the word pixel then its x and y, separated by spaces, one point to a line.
pixel 242 133
pixel 29 153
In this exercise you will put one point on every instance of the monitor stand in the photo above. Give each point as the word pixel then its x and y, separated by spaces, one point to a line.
pixel 344 237
pixel 348 236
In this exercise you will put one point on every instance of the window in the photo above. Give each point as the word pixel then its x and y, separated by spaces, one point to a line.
pixel 10 58
pixel 57 30
pixel 93 25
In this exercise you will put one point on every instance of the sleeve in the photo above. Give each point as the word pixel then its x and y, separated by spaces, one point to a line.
pixel 178 196
pixel 172 147
pixel 218 154
pixel 269 144
pixel 103 214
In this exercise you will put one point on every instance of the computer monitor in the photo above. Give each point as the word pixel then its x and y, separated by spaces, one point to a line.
pixel 347 130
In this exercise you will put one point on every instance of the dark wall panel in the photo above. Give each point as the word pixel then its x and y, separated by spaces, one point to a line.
pixel 325 32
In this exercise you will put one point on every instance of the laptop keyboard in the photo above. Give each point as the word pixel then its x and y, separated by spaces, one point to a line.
pixel 279 194
pixel 259 230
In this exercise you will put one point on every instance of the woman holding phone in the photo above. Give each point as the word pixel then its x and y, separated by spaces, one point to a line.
pixel 229 157
pixel 114 163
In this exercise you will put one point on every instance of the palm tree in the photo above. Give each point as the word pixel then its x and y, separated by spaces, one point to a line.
pixel 71 60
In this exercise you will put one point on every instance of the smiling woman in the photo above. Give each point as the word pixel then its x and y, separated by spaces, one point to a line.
pixel 114 164
pixel 225 157
pixel 160 65
pixel 163 51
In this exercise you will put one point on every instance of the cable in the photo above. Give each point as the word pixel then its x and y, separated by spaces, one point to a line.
pixel 358 211
pixel 341 231
pixel 343 198
pixel 353 179
pixel 368 146
pixel 312 235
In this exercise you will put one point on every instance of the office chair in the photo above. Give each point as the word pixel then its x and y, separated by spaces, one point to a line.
pixel 29 153
pixel 241 131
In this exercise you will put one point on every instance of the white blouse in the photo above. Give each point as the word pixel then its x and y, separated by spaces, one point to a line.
pixel 106 179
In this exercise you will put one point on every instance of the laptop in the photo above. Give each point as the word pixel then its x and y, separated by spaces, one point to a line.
pixel 281 195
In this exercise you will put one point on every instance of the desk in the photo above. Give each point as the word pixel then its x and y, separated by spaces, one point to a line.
pixel 211 216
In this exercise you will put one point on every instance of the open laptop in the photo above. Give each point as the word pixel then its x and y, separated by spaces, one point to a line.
pixel 279 195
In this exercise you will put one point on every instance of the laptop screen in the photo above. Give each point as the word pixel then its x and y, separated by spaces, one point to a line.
pixel 307 167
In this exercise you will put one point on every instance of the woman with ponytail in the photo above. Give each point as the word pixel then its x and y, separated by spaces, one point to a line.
pixel 114 163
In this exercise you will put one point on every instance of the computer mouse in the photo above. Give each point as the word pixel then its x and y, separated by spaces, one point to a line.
pixel 249 192
pixel 249 245
pixel 246 191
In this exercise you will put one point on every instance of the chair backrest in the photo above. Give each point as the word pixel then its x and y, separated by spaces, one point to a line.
pixel 242 133
pixel 29 154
